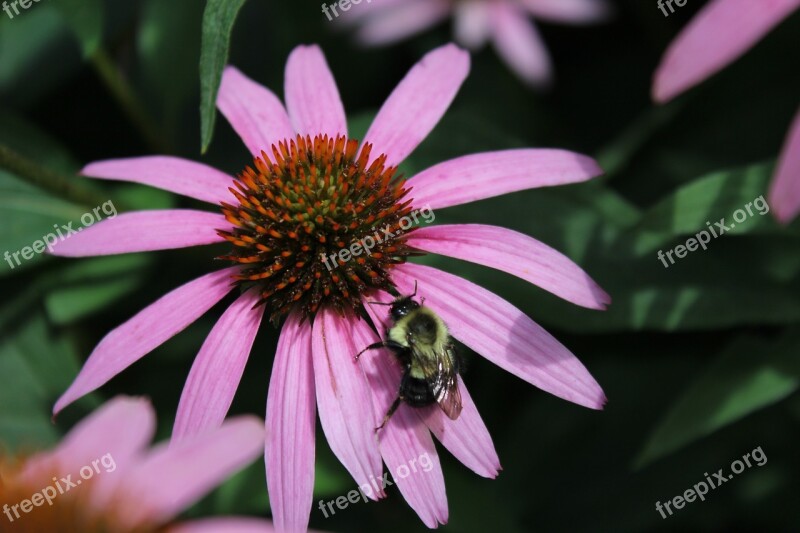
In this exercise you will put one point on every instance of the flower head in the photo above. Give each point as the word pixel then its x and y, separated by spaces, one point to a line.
pixel 103 478
pixel 504 22
pixel 297 211
pixel 311 191
pixel 719 34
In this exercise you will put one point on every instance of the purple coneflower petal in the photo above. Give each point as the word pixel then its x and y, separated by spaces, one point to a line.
pixel 122 427
pixel 417 103
pixel 471 24
pixel 181 176
pixel 401 20
pixel 569 11
pixel 495 173
pixel 151 327
pixel 291 419
pixel 312 98
pixel 502 334
pixel 343 393
pixel 218 367
pixel 143 231
pixel 253 111
pixel 466 437
pixel 784 193
pixel 171 478
pixel 404 439
pixel 515 253
pixel 718 35
pixel 230 524
pixel 520 45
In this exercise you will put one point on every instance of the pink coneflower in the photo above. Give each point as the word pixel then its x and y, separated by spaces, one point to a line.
pixel 102 477
pixel 505 22
pixel 313 192
pixel 717 36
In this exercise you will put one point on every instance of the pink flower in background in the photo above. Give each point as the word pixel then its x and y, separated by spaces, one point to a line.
pixel 506 23
pixel 102 477
pixel 312 192
pixel 717 36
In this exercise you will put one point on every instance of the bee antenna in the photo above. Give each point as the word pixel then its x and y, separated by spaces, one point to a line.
pixel 379 303
pixel 415 289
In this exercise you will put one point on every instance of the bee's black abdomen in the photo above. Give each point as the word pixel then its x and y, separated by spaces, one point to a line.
pixel 415 392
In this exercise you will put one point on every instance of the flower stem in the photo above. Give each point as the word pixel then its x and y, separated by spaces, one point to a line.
pixel 126 97
pixel 62 185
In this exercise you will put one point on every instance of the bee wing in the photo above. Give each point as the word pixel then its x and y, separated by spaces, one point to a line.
pixel 440 368
pixel 449 397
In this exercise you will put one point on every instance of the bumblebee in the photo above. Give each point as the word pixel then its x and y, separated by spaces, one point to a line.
pixel 422 343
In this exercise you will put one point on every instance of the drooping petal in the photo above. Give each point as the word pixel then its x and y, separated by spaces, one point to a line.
pixel 418 102
pixel 466 437
pixel 115 433
pixel 253 111
pixel 343 393
pixel 718 35
pixel 520 45
pixel 569 11
pixel 405 442
pixel 400 21
pixel 502 334
pixel 515 253
pixel 471 23
pixel 218 367
pixel 172 477
pixel 229 524
pixel 143 231
pixel 784 193
pixel 491 174
pixel 291 415
pixel 173 174
pixel 148 329
pixel 312 98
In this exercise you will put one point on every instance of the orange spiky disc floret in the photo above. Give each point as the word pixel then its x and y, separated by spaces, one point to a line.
pixel 298 210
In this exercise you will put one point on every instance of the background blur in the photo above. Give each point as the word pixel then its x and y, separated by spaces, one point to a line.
pixel 699 361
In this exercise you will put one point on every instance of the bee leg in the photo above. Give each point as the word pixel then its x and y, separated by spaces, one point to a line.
pixel 377 345
pixel 390 412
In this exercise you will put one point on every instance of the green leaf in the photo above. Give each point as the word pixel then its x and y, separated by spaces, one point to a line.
pixel 692 208
pixel 28 215
pixel 93 284
pixel 85 17
pixel 35 367
pixel 218 20
pixel 24 40
pixel 750 375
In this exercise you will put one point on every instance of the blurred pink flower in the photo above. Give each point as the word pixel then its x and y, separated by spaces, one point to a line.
pixel 717 36
pixel 279 226
pixel 102 477
pixel 505 22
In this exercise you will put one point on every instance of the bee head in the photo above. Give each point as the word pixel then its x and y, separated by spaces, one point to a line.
pixel 402 307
